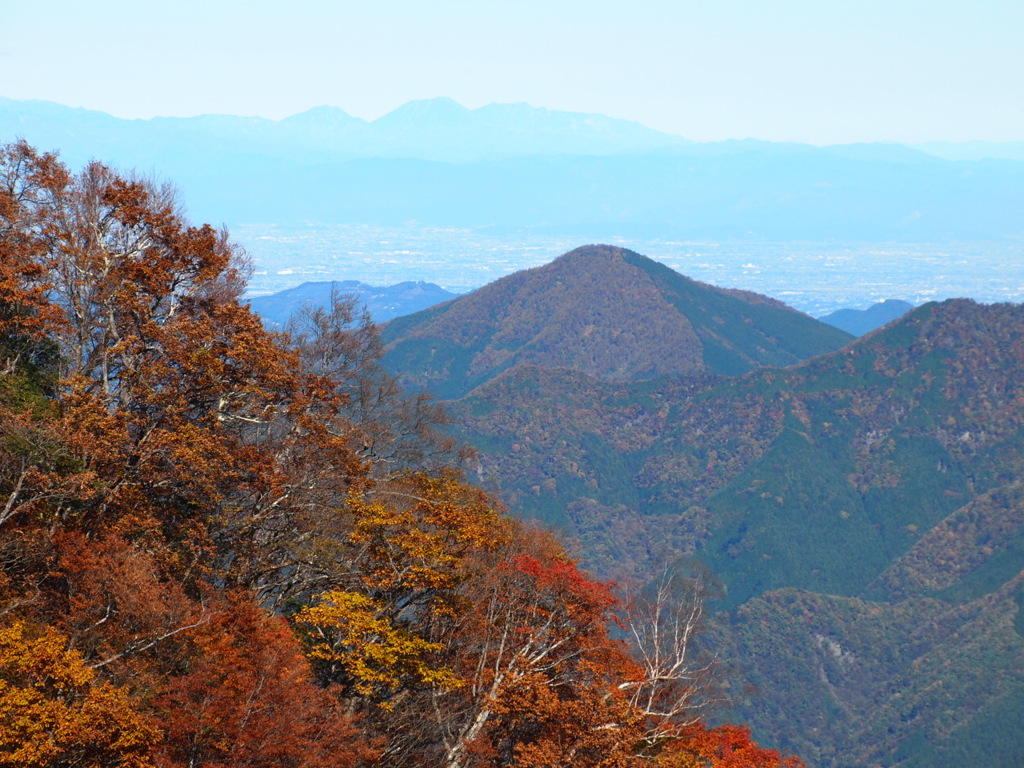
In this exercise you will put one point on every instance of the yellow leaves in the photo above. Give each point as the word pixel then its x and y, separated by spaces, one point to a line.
pixel 53 713
pixel 40 657
pixel 348 630
pixel 414 543
pixel 420 530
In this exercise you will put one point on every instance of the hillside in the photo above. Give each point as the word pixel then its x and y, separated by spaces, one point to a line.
pixel 604 311
pixel 862 509
pixel 897 430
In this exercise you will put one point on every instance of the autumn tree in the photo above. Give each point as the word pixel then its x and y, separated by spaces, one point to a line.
pixel 727 746
pixel 155 470
pixel 664 622
pixel 394 431
pixel 527 639
pixel 546 670
pixel 26 314
pixel 55 712
pixel 246 698
pixel 403 565
pixel 223 547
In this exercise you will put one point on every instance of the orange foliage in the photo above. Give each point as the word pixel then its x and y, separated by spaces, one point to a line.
pixel 727 746
pixel 418 532
pixel 53 712
pixel 245 698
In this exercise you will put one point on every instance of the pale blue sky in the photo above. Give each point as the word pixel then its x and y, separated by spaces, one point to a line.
pixel 818 71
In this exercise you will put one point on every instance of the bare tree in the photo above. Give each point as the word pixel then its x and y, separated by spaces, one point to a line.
pixel 394 431
pixel 664 621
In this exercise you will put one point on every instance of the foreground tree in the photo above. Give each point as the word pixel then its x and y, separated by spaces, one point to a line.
pixel 664 621
pixel 728 746
pixel 54 712
pixel 149 432
pixel 544 676
pixel 397 432
pixel 222 547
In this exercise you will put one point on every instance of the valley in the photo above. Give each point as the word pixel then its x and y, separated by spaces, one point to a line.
pixel 860 501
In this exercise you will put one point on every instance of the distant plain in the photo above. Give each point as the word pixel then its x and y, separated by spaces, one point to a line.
pixel 814 277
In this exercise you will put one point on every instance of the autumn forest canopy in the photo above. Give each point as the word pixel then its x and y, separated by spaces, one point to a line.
pixel 225 547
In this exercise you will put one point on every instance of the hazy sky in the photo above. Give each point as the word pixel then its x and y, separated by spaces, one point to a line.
pixel 820 71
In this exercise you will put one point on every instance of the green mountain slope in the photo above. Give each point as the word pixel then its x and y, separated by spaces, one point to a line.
pixel 863 509
pixel 848 457
pixel 604 311
pixel 918 682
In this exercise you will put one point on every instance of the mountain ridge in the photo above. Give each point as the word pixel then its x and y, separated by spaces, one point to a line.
pixel 429 129
pixel 862 321
pixel 382 302
pixel 603 310
pixel 542 169
pixel 862 508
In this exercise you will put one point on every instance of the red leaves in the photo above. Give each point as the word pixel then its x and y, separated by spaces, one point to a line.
pixel 563 577
pixel 727 746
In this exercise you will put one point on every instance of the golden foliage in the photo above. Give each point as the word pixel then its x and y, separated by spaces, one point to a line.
pixel 53 712
pixel 348 630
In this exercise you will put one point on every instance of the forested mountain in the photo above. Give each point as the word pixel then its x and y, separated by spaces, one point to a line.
pixel 226 548
pixel 601 310
pixel 862 509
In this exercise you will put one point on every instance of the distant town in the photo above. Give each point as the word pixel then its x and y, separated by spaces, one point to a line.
pixel 814 277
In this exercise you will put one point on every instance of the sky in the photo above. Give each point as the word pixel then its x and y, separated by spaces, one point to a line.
pixel 815 71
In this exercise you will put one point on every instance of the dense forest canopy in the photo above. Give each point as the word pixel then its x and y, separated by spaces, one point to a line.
pixel 225 547
pixel 862 508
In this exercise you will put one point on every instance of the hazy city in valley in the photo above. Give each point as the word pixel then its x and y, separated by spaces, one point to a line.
pixel 815 278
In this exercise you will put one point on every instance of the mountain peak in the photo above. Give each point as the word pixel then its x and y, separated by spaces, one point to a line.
pixel 323 116
pixel 597 250
pixel 429 112
pixel 605 311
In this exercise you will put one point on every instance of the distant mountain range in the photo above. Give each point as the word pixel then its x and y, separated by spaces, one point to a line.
pixel 431 129
pixel 861 321
pixel 515 166
pixel 382 302
pixel 863 507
